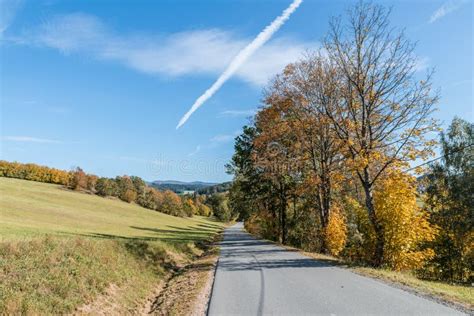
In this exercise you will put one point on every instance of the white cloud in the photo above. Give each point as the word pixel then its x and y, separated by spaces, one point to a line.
pixel 224 138
pixel 28 139
pixel 8 10
pixel 194 152
pixel 445 9
pixel 238 113
pixel 206 51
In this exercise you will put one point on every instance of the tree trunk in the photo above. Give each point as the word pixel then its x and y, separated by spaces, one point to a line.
pixel 324 206
pixel 378 228
pixel 283 225
pixel 283 214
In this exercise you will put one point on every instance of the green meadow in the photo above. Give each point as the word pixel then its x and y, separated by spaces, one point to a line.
pixel 61 250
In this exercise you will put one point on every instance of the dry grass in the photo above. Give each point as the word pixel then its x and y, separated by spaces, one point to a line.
pixel 60 250
pixel 454 294
pixel 188 291
pixel 54 275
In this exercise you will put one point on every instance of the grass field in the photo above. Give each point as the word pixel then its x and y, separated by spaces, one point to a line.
pixel 60 250
pixel 31 208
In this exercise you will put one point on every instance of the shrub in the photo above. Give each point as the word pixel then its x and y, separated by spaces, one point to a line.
pixel 129 196
pixel 336 231
pixel 78 179
pixel 406 226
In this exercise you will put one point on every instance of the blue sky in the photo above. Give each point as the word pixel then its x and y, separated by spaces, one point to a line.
pixel 102 84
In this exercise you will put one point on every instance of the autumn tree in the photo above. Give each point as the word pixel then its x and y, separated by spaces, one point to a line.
pixel 146 198
pixel 171 204
pixel 204 210
pixel 406 225
pixel 78 179
pixel 157 198
pixel 139 185
pixel 384 112
pixel 335 231
pixel 105 187
pixel 189 208
pixel 33 172
pixel 126 189
pixel 309 86
pixel 92 182
pixel 275 155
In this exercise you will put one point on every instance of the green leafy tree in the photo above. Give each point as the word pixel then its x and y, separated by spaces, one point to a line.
pixel 220 207
pixel 104 187
pixel 246 188
pixel 450 198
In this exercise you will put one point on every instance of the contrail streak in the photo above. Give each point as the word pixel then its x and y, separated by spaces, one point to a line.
pixel 241 58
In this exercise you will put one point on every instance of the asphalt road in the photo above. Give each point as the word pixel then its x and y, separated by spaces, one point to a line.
pixel 255 277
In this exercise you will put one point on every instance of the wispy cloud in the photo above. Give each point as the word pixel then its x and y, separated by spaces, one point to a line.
pixel 194 152
pixel 238 113
pixel 241 58
pixel 202 52
pixel 224 138
pixel 8 10
pixel 445 9
pixel 28 139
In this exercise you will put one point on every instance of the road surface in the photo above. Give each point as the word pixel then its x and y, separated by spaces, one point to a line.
pixel 255 277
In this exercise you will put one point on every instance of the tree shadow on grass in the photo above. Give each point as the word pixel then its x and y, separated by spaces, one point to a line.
pixel 182 239
pixel 213 227
pixel 171 234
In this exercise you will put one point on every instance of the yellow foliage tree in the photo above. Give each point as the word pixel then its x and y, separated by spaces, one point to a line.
pixel 405 224
pixel 336 231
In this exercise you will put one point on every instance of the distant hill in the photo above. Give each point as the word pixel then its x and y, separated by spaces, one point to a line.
pixel 217 188
pixel 180 186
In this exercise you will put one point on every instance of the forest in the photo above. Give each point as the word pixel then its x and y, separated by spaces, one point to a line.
pixel 340 157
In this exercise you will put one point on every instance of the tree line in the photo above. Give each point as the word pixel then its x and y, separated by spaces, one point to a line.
pixel 131 189
pixel 324 164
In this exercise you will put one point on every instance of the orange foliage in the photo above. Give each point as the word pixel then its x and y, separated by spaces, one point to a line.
pixel 33 172
pixel 406 226
pixel 336 231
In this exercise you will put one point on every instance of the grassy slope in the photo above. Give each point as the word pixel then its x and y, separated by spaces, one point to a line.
pixel 32 208
pixel 61 249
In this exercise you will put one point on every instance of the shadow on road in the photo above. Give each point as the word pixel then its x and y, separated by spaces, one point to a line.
pixel 266 255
